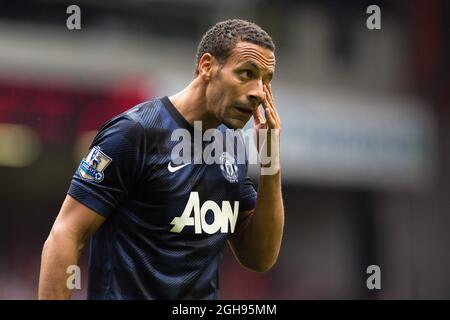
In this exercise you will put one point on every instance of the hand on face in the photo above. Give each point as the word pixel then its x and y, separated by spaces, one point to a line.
pixel 268 143
pixel 270 111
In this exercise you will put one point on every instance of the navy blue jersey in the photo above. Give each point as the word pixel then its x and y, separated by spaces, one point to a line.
pixel 166 223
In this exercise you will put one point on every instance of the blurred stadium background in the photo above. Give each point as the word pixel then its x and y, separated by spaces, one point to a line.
pixel 366 130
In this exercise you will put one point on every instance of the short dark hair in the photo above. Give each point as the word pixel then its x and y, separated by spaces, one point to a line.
pixel 221 39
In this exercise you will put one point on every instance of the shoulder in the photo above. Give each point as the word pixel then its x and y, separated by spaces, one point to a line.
pixel 148 113
pixel 134 122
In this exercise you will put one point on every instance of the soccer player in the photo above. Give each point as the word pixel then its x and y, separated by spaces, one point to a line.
pixel 159 228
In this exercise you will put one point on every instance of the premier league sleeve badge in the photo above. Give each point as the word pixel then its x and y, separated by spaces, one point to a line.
pixel 91 168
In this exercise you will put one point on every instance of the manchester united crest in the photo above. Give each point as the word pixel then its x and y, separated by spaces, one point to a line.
pixel 228 167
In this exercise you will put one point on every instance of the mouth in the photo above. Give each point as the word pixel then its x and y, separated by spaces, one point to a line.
pixel 247 111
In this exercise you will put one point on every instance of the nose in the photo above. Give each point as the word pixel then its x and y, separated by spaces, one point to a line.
pixel 256 94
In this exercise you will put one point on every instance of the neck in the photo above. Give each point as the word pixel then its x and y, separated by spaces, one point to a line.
pixel 192 105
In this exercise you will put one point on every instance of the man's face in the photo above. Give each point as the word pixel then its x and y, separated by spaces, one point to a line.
pixel 236 89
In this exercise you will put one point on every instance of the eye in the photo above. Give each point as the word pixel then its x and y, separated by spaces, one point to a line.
pixel 248 74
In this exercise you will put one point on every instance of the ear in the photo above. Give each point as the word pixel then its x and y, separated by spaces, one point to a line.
pixel 206 66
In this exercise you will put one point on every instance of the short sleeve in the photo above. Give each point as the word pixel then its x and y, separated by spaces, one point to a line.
pixel 247 194
pixel 112 167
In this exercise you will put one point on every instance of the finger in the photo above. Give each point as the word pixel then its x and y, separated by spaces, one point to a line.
pixel 269 97
pixel 267 108
pixel 269 90
pixel 272 102
pixel 271 119
pixel 272 99
pixel 266 104
pixel 257 117
pixel 270 111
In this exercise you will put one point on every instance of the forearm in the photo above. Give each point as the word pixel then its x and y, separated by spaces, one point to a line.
pixel 262 233
pixel 58 253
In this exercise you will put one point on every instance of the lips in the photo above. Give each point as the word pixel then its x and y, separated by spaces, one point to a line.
pixel 245 110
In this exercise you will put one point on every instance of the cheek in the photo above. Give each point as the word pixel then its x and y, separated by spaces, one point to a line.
pixel 234 92
pixel 224 94
pixel 213 94
pixel 225 91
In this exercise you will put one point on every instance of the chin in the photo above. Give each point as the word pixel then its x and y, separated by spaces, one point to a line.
pixel 235 123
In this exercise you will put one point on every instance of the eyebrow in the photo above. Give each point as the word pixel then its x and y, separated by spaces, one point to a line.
pixel 257 66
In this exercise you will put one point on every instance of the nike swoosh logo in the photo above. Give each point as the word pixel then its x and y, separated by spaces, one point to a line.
pixel 173 169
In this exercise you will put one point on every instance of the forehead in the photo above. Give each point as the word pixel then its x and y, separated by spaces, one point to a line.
pixel 250 52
